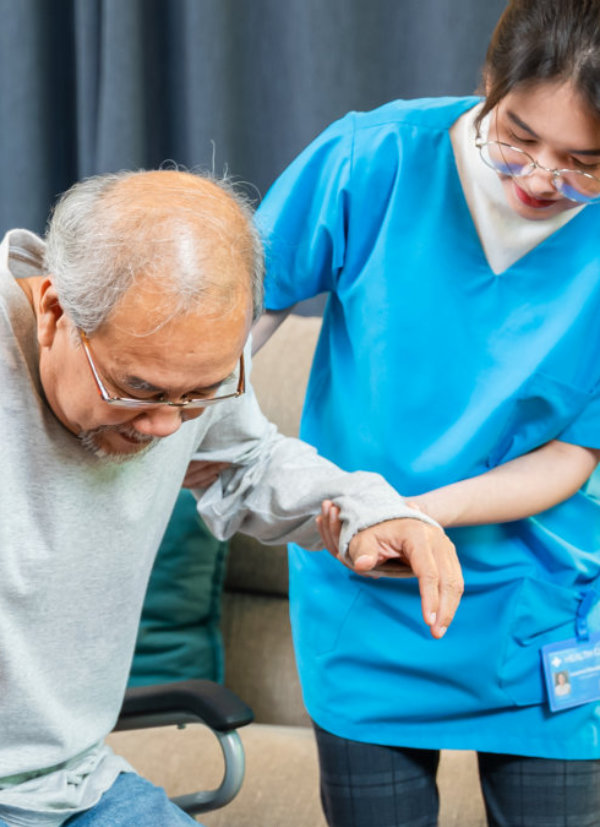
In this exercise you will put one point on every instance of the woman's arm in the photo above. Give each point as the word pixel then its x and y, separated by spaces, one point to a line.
pixel 266 326
pixel 517 489
pixel 201 474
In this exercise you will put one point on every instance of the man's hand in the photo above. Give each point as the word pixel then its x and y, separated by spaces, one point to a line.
pixel 405 548
pixel 202 474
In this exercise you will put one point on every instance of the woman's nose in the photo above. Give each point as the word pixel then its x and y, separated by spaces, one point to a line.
pixel 542 182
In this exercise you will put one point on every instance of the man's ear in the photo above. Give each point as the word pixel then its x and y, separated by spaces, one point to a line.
pixel 49 313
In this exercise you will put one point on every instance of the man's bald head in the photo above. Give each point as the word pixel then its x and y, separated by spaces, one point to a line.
pixel 183 236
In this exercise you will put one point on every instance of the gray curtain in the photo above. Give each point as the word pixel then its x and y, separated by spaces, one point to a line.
pixel 89 86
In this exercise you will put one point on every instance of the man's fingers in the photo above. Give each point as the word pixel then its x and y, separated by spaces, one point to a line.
pixel 432 557
pixel 419 556
pixel 451 583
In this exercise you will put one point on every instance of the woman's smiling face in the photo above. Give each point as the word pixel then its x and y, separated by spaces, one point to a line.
pixel 550 122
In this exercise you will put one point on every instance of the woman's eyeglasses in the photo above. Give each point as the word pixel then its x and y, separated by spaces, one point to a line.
pixel 574 184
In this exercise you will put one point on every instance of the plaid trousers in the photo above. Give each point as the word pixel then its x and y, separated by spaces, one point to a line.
pixel 367 785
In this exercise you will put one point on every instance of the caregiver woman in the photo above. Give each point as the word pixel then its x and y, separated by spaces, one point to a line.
pixel 459 242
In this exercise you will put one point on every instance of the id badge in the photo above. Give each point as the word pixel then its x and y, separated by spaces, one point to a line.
pixel 572 672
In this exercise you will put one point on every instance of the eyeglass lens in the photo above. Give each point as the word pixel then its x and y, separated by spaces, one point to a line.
pixel 508 160
pixel 226 390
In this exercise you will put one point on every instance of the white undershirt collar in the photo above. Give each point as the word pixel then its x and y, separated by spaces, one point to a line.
pixel 505 235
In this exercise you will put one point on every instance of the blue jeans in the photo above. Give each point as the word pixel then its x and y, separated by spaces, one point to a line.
pixel 367 784
pixel 131 802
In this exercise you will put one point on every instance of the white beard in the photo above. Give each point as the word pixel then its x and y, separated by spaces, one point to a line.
pixel 89 440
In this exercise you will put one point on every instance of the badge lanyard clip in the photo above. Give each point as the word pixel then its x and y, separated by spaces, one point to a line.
pixel 572 667
pixel 581 620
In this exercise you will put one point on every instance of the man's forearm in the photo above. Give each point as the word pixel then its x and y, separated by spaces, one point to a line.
pixel 278 496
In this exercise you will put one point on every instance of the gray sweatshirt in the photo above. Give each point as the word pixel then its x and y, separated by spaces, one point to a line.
pixel 78 536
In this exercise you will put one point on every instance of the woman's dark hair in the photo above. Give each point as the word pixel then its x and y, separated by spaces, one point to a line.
pixel 542 40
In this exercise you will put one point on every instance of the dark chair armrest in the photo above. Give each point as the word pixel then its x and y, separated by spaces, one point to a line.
pixel 184 702
pixel 199 702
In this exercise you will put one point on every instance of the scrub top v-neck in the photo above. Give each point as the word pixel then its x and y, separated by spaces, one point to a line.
pixel 431 368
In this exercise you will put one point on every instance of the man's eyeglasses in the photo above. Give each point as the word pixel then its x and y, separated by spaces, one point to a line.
pixel 574 184
pixel 187 404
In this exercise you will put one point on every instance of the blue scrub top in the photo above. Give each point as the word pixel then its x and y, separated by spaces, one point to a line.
pixel 430 369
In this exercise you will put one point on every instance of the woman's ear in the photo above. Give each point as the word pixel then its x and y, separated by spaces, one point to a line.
pixel 49 313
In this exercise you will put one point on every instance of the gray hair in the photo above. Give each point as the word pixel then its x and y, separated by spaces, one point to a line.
pixel 100 240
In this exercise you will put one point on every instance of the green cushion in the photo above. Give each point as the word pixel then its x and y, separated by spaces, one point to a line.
pixel 179 635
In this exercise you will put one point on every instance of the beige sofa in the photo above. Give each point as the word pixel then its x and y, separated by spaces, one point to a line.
pixel 281 784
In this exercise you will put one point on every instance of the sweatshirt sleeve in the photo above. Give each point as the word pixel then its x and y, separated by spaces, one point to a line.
pixel 274 488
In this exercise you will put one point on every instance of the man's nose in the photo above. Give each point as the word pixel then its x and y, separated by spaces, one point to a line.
pixel 159 421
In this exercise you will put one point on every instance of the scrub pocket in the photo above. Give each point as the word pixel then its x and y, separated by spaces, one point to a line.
pixel 322 597
pixel 542 613
pixel 540 411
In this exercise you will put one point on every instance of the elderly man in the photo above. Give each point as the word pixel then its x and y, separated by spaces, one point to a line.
pixel 123 354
